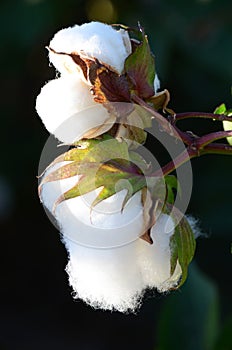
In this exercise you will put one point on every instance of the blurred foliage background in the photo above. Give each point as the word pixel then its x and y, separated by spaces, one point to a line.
pixel 192 42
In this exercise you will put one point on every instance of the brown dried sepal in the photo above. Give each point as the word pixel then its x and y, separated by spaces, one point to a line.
pixel 110 87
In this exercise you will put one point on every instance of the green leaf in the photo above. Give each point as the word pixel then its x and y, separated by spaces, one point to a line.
pixel 182 243
pixel 140 69
pixel 223 110
pixel 220 109
pixel 173 188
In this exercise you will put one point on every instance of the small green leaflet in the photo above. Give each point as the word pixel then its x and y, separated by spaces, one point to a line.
pixel 223 110
pixel 227 125
pixel 220 109
pixel 182 243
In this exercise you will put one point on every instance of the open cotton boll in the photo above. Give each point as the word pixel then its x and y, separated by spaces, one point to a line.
pixel 155 258
pixel 68 110
pixel 95 40
pixel 102 245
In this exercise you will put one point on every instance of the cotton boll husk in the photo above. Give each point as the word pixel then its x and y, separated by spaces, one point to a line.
pixel 68 110
pixel 155 258
pixel 95 40
pixel 109 279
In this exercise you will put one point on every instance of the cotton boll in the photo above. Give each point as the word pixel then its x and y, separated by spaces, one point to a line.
pixel 68 110
pixel 105 278
pixel 102 246
pixel 155 258
pixel 95 40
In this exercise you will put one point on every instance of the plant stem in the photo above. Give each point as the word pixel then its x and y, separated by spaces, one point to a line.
pixel 198 148
pixel 187 115
pixel 202 141
pixel 217 148
pixel 164 123
pixel 182 158
pixel 196 145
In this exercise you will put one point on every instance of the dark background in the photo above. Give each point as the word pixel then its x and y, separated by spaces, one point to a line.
pixel 192 41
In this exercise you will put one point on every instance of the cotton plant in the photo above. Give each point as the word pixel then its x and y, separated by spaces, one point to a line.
pixel 117 213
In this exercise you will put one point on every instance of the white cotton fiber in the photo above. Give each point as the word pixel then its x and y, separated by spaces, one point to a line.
pixel 68 110
pixel 92 228
pixel 95 40
pixel 156 83
pixel 105 278
pixel 155 259
pixel 195 226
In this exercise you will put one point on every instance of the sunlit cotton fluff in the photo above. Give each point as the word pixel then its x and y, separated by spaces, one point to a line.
pixel 68 110
pixel 109 279
pixel 109 267
pixel 154 259
pixel 95 40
